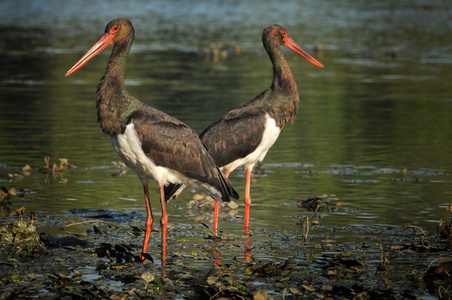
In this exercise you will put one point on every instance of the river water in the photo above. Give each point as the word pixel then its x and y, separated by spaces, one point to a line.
pixel 373 131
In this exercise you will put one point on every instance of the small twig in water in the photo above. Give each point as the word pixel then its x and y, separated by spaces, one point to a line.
pixel 364 250
pixel 449 209
pixel 440 288
pixel 214 296
pixel 93 221
pixel 305 228
pixel 383 259
pixel 431 263
pixel 210 229
pixel 414 229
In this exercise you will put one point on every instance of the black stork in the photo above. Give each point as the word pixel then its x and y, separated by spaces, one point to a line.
pixel 150 142
pixel 243 136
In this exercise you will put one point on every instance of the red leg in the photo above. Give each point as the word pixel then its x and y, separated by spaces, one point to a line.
pixel 217 208
pixel 247 199
pixel 247 248
pixel 164 222
pixel 215 222
pixel 149 219
pixel 215 217
pixel 217 259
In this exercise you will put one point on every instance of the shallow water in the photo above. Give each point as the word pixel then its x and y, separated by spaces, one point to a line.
pixel 373 127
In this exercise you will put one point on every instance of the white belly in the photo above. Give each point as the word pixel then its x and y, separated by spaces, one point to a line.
pixel 129 149
pixel 128 146
pixel 270 135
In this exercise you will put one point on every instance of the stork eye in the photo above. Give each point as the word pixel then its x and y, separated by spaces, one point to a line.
pixel 284 33
pixel 115 29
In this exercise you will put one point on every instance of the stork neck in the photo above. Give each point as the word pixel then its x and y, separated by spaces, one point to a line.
pixel 114 104
pixel 282 75
pixel 117 63
pixel 284 90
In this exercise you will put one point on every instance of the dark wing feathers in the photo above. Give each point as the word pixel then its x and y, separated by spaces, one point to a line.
pixel 172 144
pixel 173 190
pixel 234 136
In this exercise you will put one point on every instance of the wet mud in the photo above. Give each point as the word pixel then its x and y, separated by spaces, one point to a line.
pixel 99 258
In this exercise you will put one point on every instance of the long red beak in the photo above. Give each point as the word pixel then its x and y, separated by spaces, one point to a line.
pixel 290 43
pixel 105 40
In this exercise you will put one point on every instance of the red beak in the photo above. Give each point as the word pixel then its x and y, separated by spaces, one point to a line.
pixel 290 43
pixel 105 40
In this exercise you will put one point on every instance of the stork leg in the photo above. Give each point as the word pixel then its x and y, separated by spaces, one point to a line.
pixel 164 222
pixel 149 219
pixel 247 248
pixel 247 198
pixel 247 213
pixel 215 221
pixel 215 217
pixel 217 208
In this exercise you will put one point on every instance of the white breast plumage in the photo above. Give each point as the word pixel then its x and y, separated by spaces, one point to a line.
pixel 129 148
pixel 269 137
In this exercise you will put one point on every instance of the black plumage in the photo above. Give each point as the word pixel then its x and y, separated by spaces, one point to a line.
pixel 243 136
pixel 150 142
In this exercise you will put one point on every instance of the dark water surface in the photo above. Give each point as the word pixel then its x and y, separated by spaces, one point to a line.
pixel 374 127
